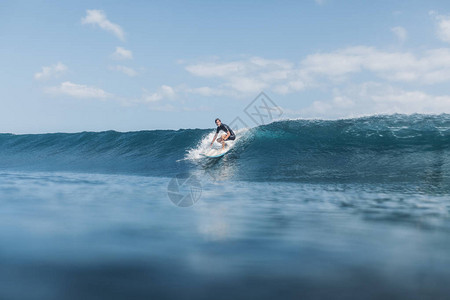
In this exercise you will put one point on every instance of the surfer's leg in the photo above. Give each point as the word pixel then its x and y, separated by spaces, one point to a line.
pixel 222 140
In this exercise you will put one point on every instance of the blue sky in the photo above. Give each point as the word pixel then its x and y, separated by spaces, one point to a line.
pixel 71 66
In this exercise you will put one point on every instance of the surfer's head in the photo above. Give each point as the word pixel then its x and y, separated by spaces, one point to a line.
pixel 218 122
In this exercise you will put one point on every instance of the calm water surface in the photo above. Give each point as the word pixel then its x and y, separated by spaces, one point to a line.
pixel 90 236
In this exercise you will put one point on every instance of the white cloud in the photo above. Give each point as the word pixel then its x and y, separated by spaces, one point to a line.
pixel 443 26
pixel 122 53
pixel 247 84
pixel 376 98
pixel 78 91
pixel 98 17
pixel 400 33
pixel 206 91
pixel 215 69
pixel 163 92
pixel 356 59
pixel 126 70
pixel 165 99
pixel 154 100
pixel 51 71
pixel 242 76
pixel 332 64
pixel 336 72
pixel 433 67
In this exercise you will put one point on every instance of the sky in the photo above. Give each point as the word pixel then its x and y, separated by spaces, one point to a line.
pixel 70 66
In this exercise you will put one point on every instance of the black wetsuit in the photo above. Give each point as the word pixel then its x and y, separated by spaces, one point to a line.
pixel 225 129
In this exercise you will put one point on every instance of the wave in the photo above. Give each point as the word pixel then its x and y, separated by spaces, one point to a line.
pixel 387 148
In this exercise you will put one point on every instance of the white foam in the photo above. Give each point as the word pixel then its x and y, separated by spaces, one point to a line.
pixel 205 144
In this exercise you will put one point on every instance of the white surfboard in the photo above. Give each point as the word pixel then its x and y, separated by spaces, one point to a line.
pixel 213 153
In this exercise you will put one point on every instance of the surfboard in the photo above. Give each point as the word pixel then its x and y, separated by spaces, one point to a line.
pixel 213 153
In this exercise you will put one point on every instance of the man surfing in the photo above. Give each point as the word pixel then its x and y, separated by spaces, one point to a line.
pixel 229 136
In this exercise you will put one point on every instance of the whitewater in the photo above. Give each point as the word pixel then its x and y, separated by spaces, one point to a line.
pixel 318 209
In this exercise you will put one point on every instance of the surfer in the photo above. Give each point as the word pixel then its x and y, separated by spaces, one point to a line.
pixel 229 136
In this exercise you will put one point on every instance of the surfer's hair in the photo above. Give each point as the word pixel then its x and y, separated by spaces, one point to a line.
pixel 217 119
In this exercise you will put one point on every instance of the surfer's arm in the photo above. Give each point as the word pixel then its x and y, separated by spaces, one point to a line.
pixel 228 135
pixel 214 138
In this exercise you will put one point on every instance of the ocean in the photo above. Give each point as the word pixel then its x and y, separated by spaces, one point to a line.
pixel 298 209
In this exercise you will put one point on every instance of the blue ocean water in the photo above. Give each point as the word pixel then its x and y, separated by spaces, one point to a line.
pixel 298 209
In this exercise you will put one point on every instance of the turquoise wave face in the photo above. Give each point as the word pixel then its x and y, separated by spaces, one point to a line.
pixel 395 148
